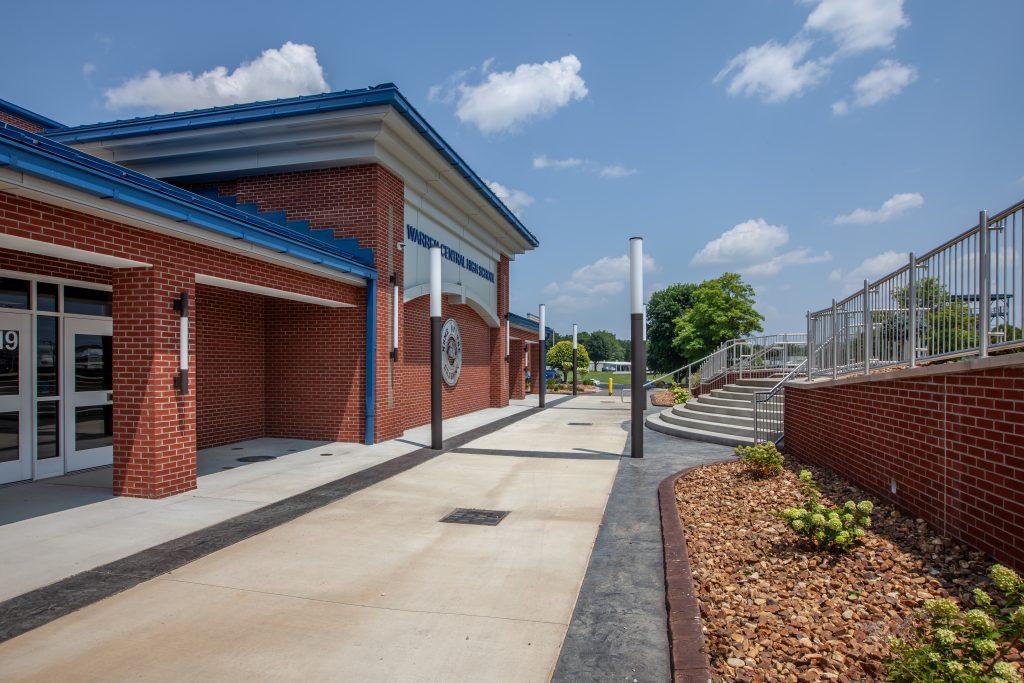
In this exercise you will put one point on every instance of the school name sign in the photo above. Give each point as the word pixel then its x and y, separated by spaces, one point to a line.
pixel 416 236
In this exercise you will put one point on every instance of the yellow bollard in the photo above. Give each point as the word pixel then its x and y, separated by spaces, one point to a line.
pixel 611 381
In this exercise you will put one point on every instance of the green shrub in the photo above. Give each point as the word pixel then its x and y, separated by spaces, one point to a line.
pixel 827 528
pixel 679 393
pixel 763 459
pixel 970 647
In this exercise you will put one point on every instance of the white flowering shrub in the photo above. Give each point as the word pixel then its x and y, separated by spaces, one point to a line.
pixel 763 459
pixel 965 647
pixel 828 528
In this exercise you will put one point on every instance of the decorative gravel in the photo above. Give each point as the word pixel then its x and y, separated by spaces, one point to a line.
pixel 775 609
pixel 663 398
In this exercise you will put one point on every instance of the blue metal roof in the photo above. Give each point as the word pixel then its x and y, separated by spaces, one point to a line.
pixel 22 113
pixel 527 324
pixel 383 94
pixel 39 156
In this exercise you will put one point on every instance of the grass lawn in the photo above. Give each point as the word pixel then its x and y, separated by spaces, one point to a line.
pixel 621 378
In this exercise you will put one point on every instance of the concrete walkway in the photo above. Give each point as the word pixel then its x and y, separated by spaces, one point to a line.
pixel 373 586
pixel 619 629
pixel 55 528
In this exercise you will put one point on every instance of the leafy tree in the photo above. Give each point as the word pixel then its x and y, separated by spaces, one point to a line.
pixel 663 309
pixel 722 309
pixel 601 345
pixel 944 323
pixel 560 357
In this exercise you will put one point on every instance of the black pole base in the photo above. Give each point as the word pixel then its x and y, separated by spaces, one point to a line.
pixel 638 403
pixel 543 379
pixel 435 383
pixel 574 351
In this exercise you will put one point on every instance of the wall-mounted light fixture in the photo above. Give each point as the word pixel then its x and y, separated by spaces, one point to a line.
pixel 394 319
pixel 181 381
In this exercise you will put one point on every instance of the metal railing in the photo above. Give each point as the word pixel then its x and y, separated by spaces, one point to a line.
pixel 962 298
pixel 769 406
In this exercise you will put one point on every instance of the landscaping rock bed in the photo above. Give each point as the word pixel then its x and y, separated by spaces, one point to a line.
pixel 775 609
pixel 663 398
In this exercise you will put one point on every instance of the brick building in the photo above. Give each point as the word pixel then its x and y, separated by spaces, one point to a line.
pixel 298 232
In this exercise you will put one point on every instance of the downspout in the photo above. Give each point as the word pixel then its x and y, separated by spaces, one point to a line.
pixel 371 358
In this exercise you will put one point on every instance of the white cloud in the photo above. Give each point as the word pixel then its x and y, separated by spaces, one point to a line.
pixel 797 257
pixel 286 72
pixel 507 99
pixel 840 108
pixel 859 25
pixel 753 247
pixel 617 171
pixel 893 207
pixel 592 285
pixel 776 72
pixel 870 269
pixel 542 161
pixel 515 200
pixel 88 68
pixel 605 171
pixel 772 71
pixel 886 80
pixel 743 243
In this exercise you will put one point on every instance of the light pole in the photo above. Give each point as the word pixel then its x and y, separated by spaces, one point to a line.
pixel 575 330
pixel 435 348
pixel 543 369
pixel 638 349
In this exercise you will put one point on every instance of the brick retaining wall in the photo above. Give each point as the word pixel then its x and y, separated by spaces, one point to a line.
pixel 950 437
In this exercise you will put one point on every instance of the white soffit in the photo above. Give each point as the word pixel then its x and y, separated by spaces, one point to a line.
pixel 68 253
pixel 268 291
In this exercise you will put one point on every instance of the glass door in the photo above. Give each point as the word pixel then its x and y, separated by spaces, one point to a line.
pixel 88 393
pixel 15 398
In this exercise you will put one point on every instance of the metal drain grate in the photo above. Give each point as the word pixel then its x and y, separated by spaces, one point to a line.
pixel 581 424
pixel 256 458
pixel 474 516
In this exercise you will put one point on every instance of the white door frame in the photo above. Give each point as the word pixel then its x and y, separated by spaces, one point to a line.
pixel 20 323
pixel 92 457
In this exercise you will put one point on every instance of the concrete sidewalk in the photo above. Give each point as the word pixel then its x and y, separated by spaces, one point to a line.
pixel 54 528
pixel 373 586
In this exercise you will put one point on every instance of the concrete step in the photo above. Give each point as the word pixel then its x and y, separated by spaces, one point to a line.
pixel 733 395
pixel 741 420
pixel 725 402
pixel 761 382
pixel 705 407
pixel 740 388
pixel 656 423
pixel 693 421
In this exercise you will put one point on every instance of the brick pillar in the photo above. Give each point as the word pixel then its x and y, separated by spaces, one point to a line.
pixel 517 376
pixel 536 368
pixel 154 424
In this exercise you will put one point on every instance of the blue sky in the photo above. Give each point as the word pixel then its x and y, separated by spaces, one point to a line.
pixel 804 143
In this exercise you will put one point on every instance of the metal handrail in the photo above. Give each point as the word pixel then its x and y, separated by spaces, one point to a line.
pixel 961 298
pixel 763 397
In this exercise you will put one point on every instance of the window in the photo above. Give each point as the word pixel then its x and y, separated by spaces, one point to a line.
pixel 87 301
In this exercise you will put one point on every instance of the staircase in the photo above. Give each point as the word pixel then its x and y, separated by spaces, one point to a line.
pixel 724 416
pixel 348 245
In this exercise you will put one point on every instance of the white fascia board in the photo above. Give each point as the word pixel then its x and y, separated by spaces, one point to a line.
pixel 268 291
pixel 459 190
pixel 428 183
pixel 52 193
pixel 31 246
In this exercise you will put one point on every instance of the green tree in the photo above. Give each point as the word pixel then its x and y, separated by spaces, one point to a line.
pixel 944 323
pixel 601 345
pixel 560 358
pixel 663 309
pixel 722 309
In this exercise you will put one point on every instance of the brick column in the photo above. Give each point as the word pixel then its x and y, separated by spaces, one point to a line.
pixel 154 424
pixel 517 376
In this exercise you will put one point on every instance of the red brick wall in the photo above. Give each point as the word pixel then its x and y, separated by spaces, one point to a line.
pixel 230 378
pixel 473 390
pixel 52 267
pixel 154 425
pixel 362 202
pixel 953 443
pixel 20 122
pixel 315 371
